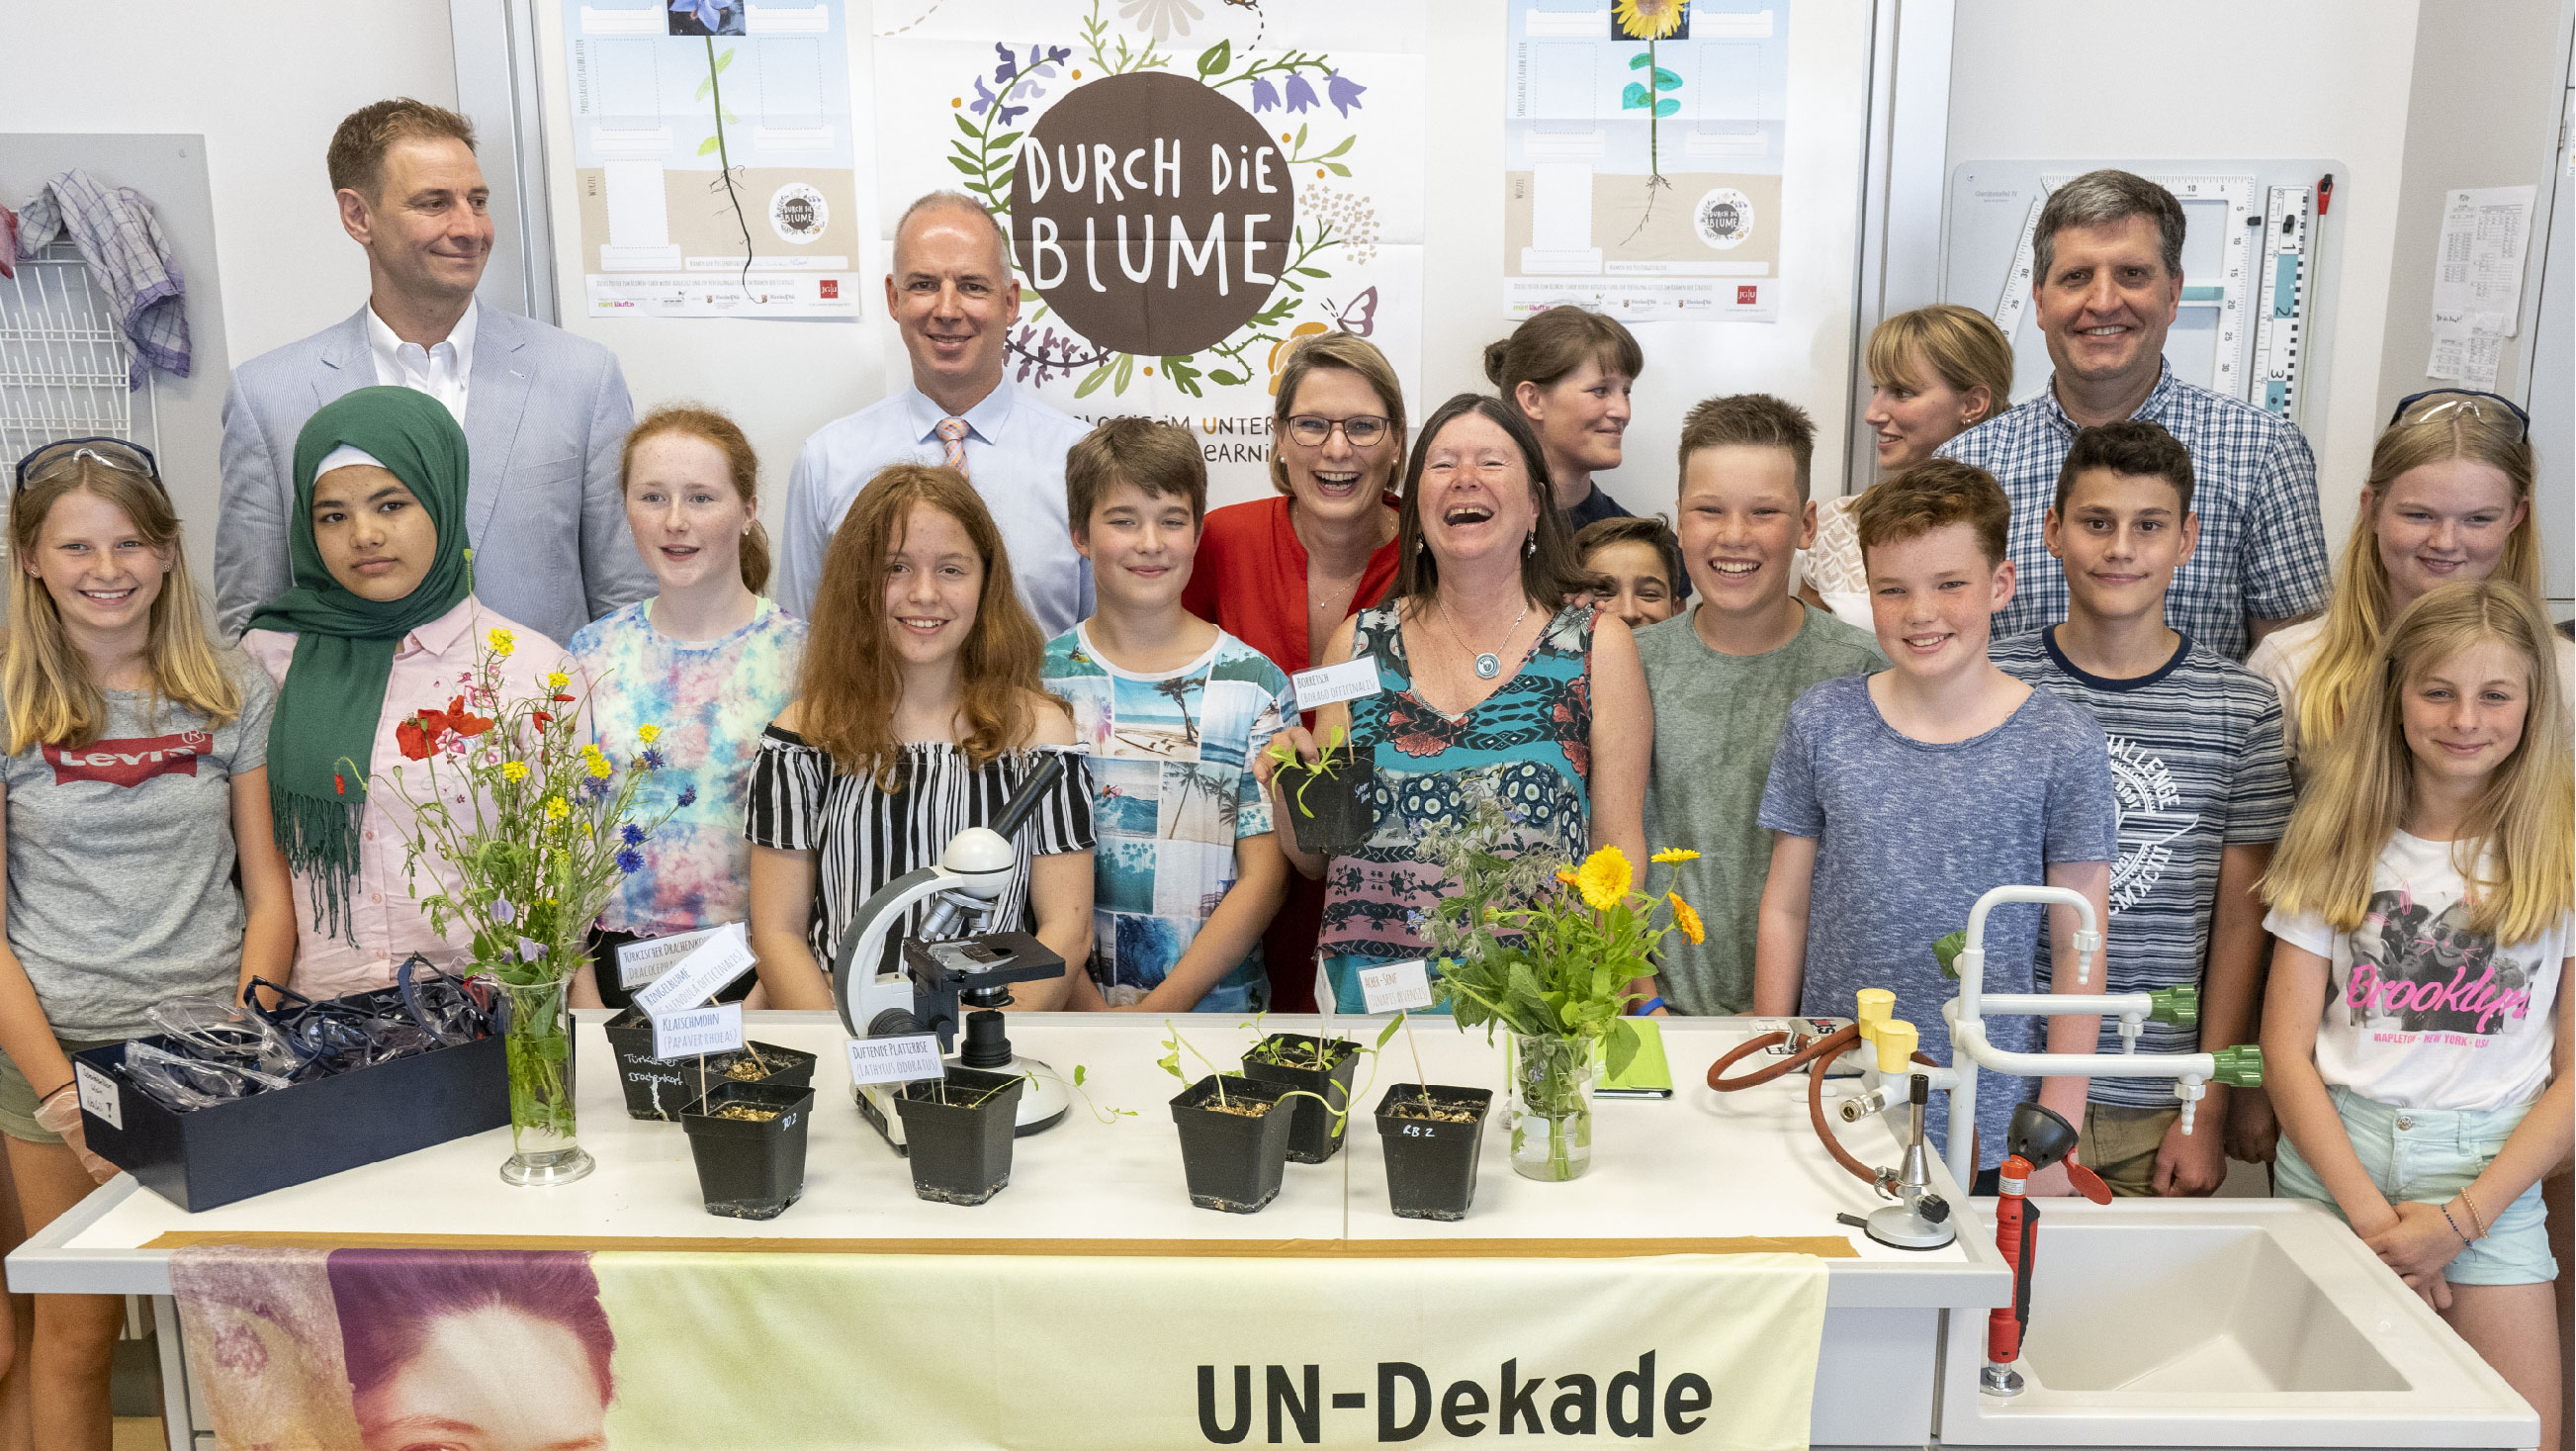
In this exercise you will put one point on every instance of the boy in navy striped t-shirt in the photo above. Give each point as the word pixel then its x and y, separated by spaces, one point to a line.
pixel 2203 792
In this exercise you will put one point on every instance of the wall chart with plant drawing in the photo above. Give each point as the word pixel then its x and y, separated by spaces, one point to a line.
pixel 1189 187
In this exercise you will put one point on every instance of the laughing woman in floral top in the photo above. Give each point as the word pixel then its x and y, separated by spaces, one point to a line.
pixel 1488 685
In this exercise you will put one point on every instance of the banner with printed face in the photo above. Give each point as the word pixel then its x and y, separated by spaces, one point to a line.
pixel 349 1348
pixel 1188 189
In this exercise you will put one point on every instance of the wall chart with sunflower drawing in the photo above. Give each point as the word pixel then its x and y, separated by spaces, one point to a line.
pixel 1643 142
pixel 1188 186
pixel 714 159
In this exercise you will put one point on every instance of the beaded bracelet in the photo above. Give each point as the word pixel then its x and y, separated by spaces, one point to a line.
pixel 2454 1224
pixel 2471 1205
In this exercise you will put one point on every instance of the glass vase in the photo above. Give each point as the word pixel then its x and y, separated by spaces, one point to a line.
pixel 1549 1112
pixel 538 1037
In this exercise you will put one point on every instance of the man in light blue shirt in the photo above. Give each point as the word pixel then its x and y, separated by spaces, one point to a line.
pixel 953 296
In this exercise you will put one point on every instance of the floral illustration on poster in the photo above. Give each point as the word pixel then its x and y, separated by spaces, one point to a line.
pixel 1188 188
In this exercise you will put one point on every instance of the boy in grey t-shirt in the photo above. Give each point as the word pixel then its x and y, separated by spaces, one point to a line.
pixel 1898 799
pixel 1723 674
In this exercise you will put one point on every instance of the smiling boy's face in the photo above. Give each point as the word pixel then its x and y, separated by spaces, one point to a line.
pixel 1140 545
pixel 1932 598
pixel 2121 537
pixel 1641 581
pixel 1742 524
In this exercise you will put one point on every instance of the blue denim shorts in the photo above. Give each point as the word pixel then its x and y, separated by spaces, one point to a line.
pixel 2426 1155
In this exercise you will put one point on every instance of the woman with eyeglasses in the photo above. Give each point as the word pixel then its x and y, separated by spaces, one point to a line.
pixel 135 779
pixel 1281 574
pixel 1498 679
pixel 381 624
pixel 2447 500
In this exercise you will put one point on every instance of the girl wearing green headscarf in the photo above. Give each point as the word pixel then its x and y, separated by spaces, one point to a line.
pixel 380 625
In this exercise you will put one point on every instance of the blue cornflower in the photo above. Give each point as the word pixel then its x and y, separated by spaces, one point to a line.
pixel 650 759
pixel 631 834
pixel 688 796
pixel 630 860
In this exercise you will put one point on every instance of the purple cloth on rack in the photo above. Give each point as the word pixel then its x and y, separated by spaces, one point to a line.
pixel 128 259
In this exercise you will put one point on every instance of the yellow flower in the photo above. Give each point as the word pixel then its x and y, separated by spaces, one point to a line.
pixel 501 643
pixel 1687 920
pixel 1567 876
pixel 1604 879
pixel 1672 854
pixel 514 771
pixel 599 767
pixel 648 734
pixel 1647 19
pixel 557 680
pixel 557 808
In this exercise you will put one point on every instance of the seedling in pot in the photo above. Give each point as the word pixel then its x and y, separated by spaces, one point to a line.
pixel 1337 818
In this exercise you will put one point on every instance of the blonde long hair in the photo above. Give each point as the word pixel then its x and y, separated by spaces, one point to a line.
pixel 2517 849
pixel 51 699
pixel 2358 615
pixel 852 682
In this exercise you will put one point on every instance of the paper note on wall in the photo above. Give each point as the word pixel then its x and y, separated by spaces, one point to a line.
pixel 2467 347
pixel 2486 234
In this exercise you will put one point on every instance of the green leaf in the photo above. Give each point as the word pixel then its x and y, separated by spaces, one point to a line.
pixel 1126 372
pixel 1215 58
pixel 968 167
pixel 723 61
pixel 1336 168
pixel 1300 143
pixel 1345 146
pixel 1638 61
pixel 1312 272
pixel 1228 377
pixel 1666 81
pixel 1633 97
pixel 966 126
pixel 708 146
pixel 1392 1024
pixel 1622 1047
pixel 1667 107
pixel 1946 952
pixel 1096 377
pixel 729 116
pixel 704 86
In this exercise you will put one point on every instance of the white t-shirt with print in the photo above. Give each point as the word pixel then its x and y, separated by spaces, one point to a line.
pixel 2424 1013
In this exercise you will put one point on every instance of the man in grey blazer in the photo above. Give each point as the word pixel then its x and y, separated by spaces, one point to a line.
pixel 545 413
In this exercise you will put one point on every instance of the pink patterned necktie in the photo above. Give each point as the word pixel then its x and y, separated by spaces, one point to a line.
pixel 953 432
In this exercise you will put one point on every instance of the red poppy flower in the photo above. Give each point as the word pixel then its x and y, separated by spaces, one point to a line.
pixel 542 719
pixel 415 739
pixel 464 722
pixel 565 699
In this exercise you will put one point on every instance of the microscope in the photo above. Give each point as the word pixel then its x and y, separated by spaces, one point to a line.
pixel 953 969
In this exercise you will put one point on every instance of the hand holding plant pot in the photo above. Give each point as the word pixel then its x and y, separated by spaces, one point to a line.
pixel 1322 797
pixel 1546 950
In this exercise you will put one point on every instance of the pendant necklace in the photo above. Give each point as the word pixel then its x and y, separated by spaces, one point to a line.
pixel 1488 664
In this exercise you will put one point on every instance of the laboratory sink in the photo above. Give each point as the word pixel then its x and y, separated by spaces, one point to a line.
pixel 2227 1322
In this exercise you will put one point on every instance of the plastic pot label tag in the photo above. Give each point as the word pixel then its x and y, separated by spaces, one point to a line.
pixel 1391 986
pixel 895 1060
pixel 639 963
pixel 715 1028
pixel 1333 684
pixel 716 962
pixel 99 1097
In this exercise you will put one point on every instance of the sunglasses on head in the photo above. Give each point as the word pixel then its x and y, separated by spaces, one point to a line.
pixel 2436 403
pixel 116 453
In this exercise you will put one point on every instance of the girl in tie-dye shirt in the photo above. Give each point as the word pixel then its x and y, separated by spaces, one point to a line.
pixel 707 664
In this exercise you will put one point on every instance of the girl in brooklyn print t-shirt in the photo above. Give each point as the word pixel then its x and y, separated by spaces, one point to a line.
pixel 2417 1029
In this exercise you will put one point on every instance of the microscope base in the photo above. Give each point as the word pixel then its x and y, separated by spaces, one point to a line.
pixel 1898 1227
pixel 1042 1103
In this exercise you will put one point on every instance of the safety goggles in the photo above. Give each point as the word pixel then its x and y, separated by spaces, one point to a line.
pixel 2436 403
pixel 115 453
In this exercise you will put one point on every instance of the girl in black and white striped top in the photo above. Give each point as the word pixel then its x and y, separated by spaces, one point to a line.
pixel 919 713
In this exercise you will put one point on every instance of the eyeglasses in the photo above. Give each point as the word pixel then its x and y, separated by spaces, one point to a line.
pixel 115 453
pixel 2433 403
pixel 1313 430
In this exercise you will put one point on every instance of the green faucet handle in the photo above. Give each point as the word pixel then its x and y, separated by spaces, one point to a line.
pixel 2179 1006
pixel 2240 1066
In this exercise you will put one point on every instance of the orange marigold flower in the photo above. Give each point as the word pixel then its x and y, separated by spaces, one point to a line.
pixel 1687 919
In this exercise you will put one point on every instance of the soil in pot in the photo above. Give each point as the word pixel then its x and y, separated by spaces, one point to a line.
pixel 1432 1144
pixel 1292 1060
pixel 1331 814
pixel 658 1090
pixel 750 1166
pixel 958 1133
pixel 1234 1150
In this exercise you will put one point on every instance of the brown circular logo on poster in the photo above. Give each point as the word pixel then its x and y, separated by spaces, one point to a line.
pixel 1151 213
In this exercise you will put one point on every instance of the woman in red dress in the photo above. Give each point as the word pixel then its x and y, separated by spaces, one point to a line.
pixel 1283 573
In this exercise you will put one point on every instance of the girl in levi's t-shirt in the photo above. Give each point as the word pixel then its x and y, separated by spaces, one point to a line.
pixel 2425 895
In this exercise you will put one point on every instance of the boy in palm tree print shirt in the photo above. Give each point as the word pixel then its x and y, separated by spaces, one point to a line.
pixel 1171 710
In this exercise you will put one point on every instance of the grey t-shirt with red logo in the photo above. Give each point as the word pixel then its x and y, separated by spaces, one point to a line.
pixel 121 858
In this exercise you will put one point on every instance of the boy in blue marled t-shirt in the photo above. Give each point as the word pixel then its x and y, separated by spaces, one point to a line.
pixel 1897 799
pixel 1187 872
pixel 2203 795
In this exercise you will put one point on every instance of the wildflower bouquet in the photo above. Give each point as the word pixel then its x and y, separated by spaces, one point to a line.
pixel 533 820
pixel 1546 949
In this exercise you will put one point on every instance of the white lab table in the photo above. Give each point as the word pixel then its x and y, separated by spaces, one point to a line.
pixel 1700 1166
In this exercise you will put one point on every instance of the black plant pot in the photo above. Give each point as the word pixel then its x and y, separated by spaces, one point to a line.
pixel 1316 1131
pixel 658 1090
pixel 1431 1163
pixel 748 1169
pixel 1327 815
pixel 1233 1161
pixel 960 1150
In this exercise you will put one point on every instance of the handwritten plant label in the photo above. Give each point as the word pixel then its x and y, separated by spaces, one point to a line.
pixel 1332 684
pixel 895 1060
pixel 99 1096
pixel 639 963
pixel 690 1032
pixel 1391 986
pixel 702 974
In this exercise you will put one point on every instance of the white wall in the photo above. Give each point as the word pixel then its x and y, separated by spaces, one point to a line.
pixel 2040 79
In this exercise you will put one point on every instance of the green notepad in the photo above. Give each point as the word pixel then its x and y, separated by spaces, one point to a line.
pixel 1648 1075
